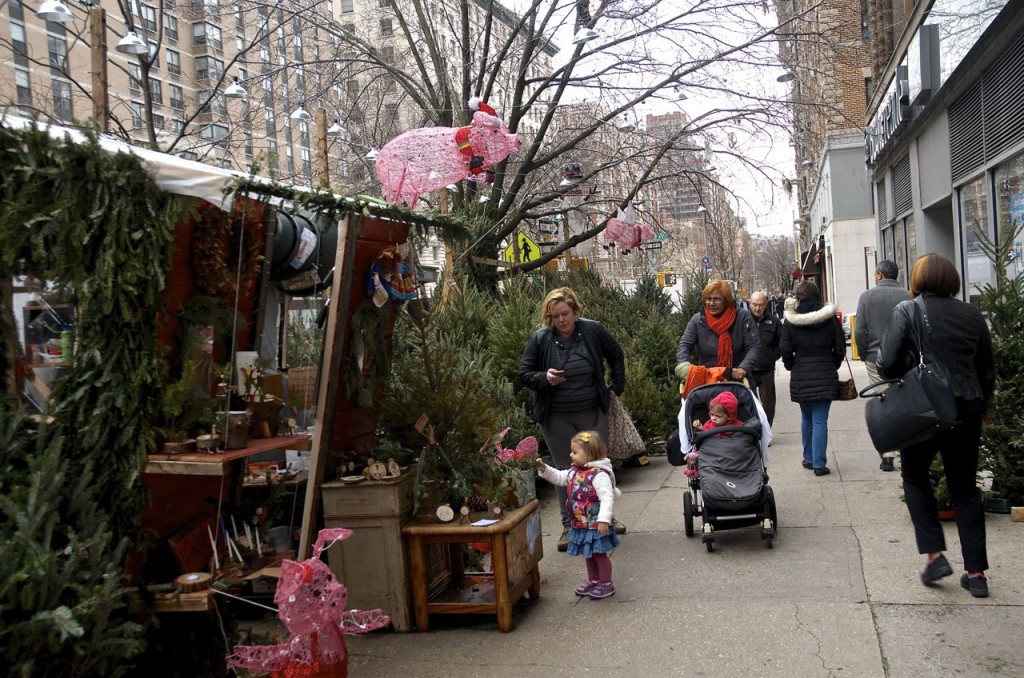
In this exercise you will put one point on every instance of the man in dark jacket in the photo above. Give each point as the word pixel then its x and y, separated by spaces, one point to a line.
pixel 874 312
pixel 769 328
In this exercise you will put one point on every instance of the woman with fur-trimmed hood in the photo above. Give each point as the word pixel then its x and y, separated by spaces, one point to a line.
pixel 813 348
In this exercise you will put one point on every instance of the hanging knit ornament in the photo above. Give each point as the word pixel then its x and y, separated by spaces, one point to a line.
pixel 311 603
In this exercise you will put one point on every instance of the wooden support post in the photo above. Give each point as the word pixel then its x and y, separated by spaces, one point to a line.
pixel 327 391
pixel 322 160
pixel 98 40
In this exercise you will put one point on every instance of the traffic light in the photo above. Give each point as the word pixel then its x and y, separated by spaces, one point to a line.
pixel 666 279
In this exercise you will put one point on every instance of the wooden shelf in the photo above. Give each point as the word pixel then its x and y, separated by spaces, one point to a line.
pixel 217 464
pixel 56 363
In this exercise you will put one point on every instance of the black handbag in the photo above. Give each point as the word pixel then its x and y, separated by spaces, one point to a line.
pixel 915 407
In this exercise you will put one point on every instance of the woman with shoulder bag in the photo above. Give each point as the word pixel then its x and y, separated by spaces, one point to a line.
pixel 953 334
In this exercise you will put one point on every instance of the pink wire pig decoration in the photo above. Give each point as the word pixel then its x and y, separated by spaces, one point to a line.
pixel 311 603
pixel 429 158
pixel 624 230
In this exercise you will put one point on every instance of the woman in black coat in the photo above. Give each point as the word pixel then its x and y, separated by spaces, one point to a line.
pixel 564 363
pixel 955 335
pixel 812 348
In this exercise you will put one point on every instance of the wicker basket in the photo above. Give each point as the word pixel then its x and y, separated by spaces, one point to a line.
pixel 302 387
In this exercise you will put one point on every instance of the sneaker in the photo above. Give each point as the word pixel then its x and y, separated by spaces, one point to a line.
pixel 586 587
pixel 936 570
pixel 563 541
pixel 602 590
pixel 978 586
pixel 807 464
pixel 618 527
pixel 887 464
pixel 823 471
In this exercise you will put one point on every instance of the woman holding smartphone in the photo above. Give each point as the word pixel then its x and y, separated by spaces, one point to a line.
pixel 564 364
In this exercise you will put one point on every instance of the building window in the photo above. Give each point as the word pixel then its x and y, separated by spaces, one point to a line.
pixel 239 21
pixel 176 125
pixel 154 55
pixel 18 44
pixel 387 55
pixel 1010 206
pixel 350 29
pixel 138 115
pixel 271 126
pixel 158 121
pixel 209 68
pixel 352 87
pixel 216 134
pixel 214 102
pixel 973 220
pixel 173 62
pixel 148 16
pixel 347 6
pixel 24 87
pixel 207 34
pixel 156 91
pixel 134 78
pixel 386 28
pixel 247 145
pixel 61 99
pixel 57 49
pixel 391 114
pixel 171 27
pixel 307 168
pixel 304 133
pixel 177 97
pixel 869 91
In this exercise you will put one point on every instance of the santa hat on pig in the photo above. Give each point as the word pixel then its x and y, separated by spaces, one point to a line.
pixel 477 105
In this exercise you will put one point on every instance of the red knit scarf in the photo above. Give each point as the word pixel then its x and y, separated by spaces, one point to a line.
pixel 721 326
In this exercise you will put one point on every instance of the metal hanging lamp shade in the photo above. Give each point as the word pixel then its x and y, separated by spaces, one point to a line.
pixel 54 10
pixel 131 43
pixel 235 91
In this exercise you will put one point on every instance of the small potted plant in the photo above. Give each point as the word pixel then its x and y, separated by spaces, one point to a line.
pixel 943 499
pixel 517 467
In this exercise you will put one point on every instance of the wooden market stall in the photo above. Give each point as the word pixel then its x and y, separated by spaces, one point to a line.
pixel 184 519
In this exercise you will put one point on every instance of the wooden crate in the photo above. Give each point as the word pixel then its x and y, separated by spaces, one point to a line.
pixel 373 563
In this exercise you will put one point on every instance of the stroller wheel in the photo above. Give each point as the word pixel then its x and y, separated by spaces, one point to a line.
pixel 768 542
pixel 772 513
pixel 711 545
pixel 688 513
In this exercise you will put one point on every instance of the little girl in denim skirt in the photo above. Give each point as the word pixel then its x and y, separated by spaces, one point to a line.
pixel 590 498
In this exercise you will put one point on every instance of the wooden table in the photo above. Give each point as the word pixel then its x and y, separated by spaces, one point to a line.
pixel 515 553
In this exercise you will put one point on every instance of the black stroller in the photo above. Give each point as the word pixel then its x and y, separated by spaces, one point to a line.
pixel 730 487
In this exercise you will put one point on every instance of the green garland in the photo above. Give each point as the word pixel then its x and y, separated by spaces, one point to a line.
pixel 454 226
pixel 96 224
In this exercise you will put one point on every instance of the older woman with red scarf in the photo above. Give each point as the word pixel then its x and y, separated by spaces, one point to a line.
pixel 720 334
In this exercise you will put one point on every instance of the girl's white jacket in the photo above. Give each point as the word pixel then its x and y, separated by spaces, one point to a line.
pixel 604 485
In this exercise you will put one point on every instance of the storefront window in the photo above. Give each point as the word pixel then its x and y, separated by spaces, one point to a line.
pixel 1010 207
pixel 887 243
pixel 911 231
pixel 974 220
pixel 899 252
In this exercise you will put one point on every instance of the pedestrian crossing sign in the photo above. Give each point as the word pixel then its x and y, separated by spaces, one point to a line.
pixel 528 250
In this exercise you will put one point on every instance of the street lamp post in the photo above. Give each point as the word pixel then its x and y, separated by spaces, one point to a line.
pixel 323 161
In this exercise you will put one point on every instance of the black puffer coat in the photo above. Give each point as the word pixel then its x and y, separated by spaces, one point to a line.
pixel 812 349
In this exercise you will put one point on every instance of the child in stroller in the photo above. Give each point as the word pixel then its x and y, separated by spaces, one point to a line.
pixel 728 481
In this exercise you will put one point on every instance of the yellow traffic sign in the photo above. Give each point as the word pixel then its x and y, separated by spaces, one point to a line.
pixel 528 250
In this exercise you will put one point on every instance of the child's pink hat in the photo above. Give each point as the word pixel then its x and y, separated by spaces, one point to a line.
pixel 728 401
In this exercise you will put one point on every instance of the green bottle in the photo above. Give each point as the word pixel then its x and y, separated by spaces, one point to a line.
pixel 65 345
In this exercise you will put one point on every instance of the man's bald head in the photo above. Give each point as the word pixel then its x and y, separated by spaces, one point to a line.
pixel 758 303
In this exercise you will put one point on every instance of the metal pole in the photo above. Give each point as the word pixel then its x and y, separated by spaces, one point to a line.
pixel 98 40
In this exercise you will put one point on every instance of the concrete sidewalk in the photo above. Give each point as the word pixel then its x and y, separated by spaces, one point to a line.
pixel 839 594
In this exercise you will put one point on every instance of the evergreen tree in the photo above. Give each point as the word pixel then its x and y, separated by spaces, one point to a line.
pixel 1003 303
pixel 62 608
